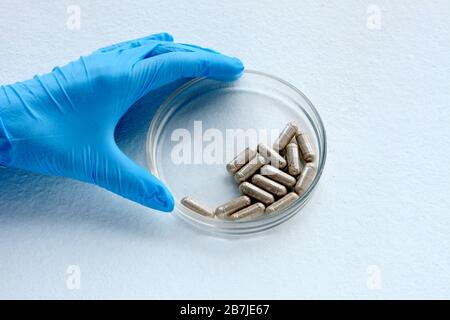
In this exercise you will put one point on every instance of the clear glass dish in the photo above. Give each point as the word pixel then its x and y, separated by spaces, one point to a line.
pixel 205 109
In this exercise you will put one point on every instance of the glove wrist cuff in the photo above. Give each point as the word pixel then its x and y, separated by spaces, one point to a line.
pixel 5 143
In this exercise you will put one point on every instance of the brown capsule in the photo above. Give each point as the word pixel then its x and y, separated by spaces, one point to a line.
pixel 269 185
pixel 240 160
pixel 305 146
pixel 278 175
pixel 250 168
pixel 251 212
pixel 306 178
pixel 272 156
pixel 282 203
pixel 190 203
pixel 285 136
pixel 232 206
pixel 293 158
pixel 256 193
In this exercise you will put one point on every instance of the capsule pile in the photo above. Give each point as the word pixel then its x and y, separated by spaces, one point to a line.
pixel 270 178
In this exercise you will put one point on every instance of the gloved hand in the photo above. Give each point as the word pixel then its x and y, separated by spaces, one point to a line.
pixel 62 123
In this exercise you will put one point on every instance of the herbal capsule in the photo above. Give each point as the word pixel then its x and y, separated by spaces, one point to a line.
pixel 257 193
pixel 285 136
pixel 240 160
pixel 232 206
pixel 305 179
pixel 250 168
pixel 269 185
pixel 271 155
pixel 278 175
pixel 197 207
pixel 282 203
pixel 251 212
pixel 305 146
pixel 293 158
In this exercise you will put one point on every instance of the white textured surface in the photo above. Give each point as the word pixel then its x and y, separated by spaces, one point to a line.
pixel 384 198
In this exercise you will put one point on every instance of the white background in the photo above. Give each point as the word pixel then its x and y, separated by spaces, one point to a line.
pixel 378 226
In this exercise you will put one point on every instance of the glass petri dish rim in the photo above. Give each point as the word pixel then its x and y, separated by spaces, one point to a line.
pixel 225 227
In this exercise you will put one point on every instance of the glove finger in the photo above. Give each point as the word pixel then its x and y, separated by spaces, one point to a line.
pixel 122 176
pixel 167 68
pixel 193 46
pixel 163 36
pixel 168 47
pixel 137 53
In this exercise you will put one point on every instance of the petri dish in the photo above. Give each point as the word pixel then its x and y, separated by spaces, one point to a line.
pixel 205 123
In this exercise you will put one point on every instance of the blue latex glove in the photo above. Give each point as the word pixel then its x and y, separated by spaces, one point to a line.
pixel 62 123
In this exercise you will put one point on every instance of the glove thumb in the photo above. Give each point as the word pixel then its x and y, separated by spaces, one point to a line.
pixel 127 179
